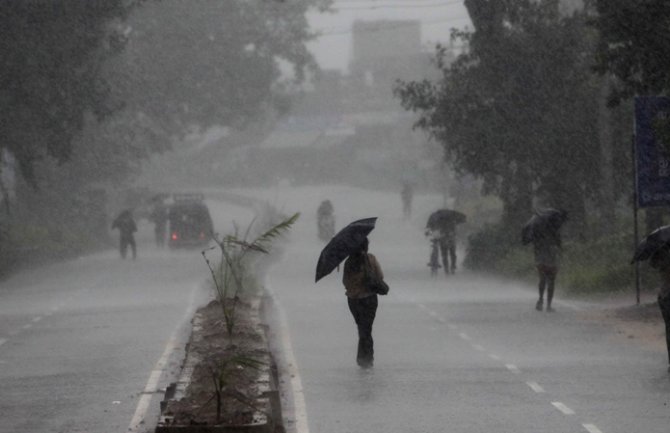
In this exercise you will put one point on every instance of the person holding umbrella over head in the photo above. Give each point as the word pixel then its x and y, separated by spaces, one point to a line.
pixel 363 279
pixel 543 230
pixel 656 248
pixel 362 301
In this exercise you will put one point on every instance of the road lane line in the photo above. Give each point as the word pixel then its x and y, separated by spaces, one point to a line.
pixel 478 347
pixel 452 326
pixel 535 387
pixel 37 319
pixel 144 403
pixel 441 320
pixel 591 428
pixel 563 408
pixel 27 326
pixel 494 357
pixel 301 423
pixel 2 341
pixel 513 368
pixel 464 336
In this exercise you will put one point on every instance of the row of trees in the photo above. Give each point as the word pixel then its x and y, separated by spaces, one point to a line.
pixel 92 88
pixel 538 105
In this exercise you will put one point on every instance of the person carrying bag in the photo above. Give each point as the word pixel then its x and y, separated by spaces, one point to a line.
pixel 363 279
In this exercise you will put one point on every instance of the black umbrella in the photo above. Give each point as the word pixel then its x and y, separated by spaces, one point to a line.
pixel 545 222
pixel 345 242
pixel 652 243
pixel 444 218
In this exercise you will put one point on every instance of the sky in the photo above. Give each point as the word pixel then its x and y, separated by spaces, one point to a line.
pixel 332 49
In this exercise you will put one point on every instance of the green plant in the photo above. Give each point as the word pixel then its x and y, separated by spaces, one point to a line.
pixel 233 277
pixel 223 374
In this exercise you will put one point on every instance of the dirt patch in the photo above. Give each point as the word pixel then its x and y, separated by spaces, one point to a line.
pixel 643 322
pixel 210 348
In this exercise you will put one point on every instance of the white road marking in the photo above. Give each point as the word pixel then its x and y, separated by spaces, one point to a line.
pixel 452 326
pixel 37 319
pixel 27 326
pixel 144 402
pixel 494 357
pixel 591 428
pixel 432 314
pixel 299 405
pixel 478 347
pixel 535 387
pixel 2 341
pixel 513 368
pixel 423 307
pixel 563 408
pixel 464 336
pixel 441 320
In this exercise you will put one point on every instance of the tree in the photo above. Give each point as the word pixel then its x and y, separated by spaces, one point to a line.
pixel 212 62
pixel 634 46
pixel 51 73
pixel 517 109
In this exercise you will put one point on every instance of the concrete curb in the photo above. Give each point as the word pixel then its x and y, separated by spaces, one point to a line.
pixel 268 419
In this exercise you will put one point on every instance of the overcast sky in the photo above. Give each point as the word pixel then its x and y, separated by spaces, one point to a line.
pixel 332 49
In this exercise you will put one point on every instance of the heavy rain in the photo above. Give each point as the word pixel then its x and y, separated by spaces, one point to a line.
pixel 334 216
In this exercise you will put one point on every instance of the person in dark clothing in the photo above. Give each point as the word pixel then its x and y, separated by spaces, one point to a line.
pixel 362 302
pixel 159 216
pixel 127 227
pixel 660 260
pixel 443 238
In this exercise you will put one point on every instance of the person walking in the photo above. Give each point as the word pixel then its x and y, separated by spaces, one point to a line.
pixel 362 302
pixel 159 216
pixel 127 227
pixel 660 261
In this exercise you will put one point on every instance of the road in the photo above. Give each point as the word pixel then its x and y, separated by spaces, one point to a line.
pixel 87 345
pixel 458 354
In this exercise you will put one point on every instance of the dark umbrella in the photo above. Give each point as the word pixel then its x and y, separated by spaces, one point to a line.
pixel 545 222
pixel 345 242
pixel 652 243
pixel 444 218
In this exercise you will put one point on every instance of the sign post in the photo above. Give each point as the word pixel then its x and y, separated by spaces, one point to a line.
pixel 651 160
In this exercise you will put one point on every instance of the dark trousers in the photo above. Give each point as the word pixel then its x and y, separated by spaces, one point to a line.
pixel 664 304
pixel 124 243
pixel 448 251
pixel 364 311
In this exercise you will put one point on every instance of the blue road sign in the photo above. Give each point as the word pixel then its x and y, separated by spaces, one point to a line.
pixel 652 158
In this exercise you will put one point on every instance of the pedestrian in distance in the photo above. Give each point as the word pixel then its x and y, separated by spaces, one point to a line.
pixel 325 220
pixel 543 230
pixel 127 227
pixel 362 302
pixel 660 261
pixel 159 216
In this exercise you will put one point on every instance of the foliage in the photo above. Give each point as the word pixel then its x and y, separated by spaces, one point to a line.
pixel 234 277
pixel 634 46
pixel 518 109
pixel 212 62
pixel 51 74
pixel 222 375
pixel 489 246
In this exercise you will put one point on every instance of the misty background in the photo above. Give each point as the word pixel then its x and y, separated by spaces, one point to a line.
pixel 498 109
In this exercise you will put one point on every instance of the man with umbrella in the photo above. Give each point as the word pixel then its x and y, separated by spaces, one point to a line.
pixel 656 248
pixel 352 242
pixel 543 230
pixel 441 228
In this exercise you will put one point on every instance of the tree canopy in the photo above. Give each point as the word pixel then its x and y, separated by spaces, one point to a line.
pixel 634 46
pixel 518 108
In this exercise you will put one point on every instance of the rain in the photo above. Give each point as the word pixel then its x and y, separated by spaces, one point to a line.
pixel 334 216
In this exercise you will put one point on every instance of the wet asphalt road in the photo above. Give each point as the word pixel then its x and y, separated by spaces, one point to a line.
pixel 88 345
pixel 457 354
